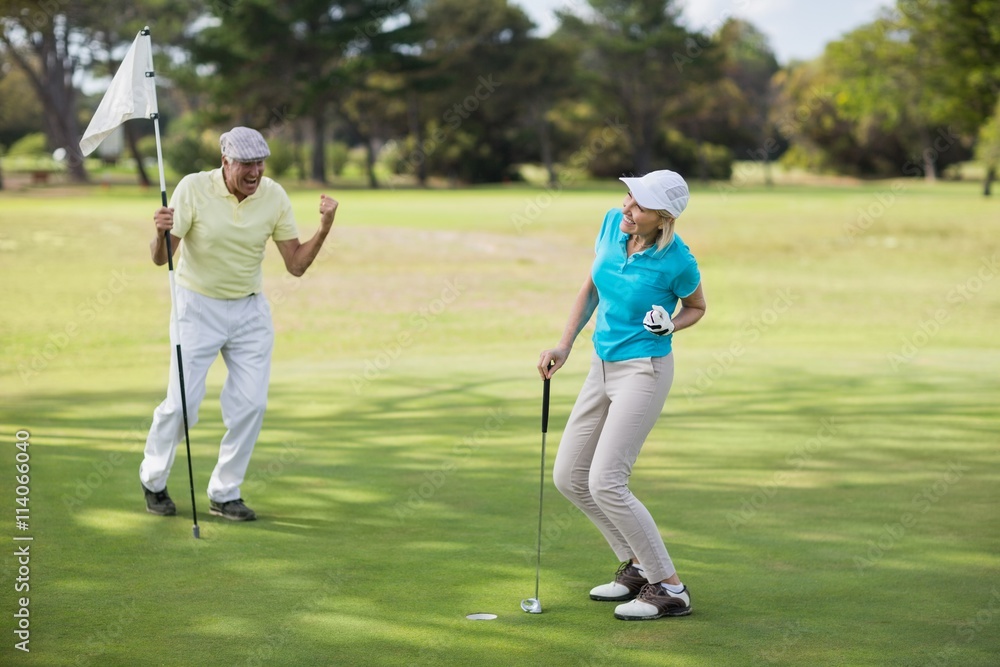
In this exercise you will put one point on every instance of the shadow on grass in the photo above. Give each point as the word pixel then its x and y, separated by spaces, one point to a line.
pixel 385 518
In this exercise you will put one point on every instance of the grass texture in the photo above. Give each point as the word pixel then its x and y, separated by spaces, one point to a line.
pixel 825 473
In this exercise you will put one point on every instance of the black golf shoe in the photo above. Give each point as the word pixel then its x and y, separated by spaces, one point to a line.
pixel 234 510
pixel 159 502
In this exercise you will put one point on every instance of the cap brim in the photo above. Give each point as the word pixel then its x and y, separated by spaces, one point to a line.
pixel 643 195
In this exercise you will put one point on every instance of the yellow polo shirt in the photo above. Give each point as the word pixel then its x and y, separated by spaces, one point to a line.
pixel 224 239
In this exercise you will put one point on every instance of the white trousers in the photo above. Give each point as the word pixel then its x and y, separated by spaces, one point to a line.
pixel 242 331
pixel 617 408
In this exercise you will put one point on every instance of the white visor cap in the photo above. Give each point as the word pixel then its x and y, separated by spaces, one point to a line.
pixel 662 190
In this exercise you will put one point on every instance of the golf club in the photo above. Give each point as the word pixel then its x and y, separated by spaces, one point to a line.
pixel 534 605
pixel 195 530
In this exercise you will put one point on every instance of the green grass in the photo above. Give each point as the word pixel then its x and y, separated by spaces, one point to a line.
pixel 825 473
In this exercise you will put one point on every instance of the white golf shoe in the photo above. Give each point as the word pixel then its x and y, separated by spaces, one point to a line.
pixel 655 601
pixel 627 584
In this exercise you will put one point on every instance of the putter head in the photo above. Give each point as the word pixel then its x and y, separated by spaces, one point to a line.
pixel 532 606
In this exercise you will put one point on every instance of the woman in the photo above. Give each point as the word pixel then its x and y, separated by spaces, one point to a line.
pixel 639 263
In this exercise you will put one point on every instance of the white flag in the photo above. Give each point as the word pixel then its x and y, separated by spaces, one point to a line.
pixel 130 95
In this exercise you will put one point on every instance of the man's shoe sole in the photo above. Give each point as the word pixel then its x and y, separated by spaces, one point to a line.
pixel 620 598
pixel 215 512
pixel 172 512
pixel 681 612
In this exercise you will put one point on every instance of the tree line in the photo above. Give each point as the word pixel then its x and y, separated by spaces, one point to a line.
pixel 468 90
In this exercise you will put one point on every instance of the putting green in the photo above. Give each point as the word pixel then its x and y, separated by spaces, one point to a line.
pixel 824 474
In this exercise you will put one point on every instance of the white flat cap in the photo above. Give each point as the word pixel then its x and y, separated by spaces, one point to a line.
pixel 244 144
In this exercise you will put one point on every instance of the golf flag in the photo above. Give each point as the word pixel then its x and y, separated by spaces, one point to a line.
pixel 130 95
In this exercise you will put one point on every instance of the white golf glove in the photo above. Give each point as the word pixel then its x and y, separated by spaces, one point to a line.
pixel 657 321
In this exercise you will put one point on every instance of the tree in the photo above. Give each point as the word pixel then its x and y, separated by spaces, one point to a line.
pixel 243 68
pixel 805 114
pixel 368 110
pixel 303 56
pixel 53 43
pixel 749 64
pixel 964 36
pixel 731 112
pixel 543 69
pixel 988 149
pixel 879 87
pixel 43 45
pixel 20 111
pixel 926 72
pixel 876 114
pixel 473 132
pixel 422 76
pixel 641 63
pixel 905 93
pixel 387 74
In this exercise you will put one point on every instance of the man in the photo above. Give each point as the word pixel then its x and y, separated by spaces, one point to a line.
pixel 224 218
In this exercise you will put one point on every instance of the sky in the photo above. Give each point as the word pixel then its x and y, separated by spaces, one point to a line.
pixel 797 29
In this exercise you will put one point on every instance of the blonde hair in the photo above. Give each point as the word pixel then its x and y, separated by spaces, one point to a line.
pixel 666 236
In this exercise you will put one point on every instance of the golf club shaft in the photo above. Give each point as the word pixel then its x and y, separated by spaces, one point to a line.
pixel 541 483
pixel 180 377
pixel 173 300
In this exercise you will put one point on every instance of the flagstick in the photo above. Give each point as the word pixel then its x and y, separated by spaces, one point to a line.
pixel 175 330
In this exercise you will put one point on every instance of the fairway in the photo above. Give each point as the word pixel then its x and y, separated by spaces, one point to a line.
pixel 825 474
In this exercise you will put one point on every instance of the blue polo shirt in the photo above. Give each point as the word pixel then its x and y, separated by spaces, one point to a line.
pixel 629 286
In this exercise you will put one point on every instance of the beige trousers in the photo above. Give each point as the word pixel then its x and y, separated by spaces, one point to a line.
pixel 615 411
